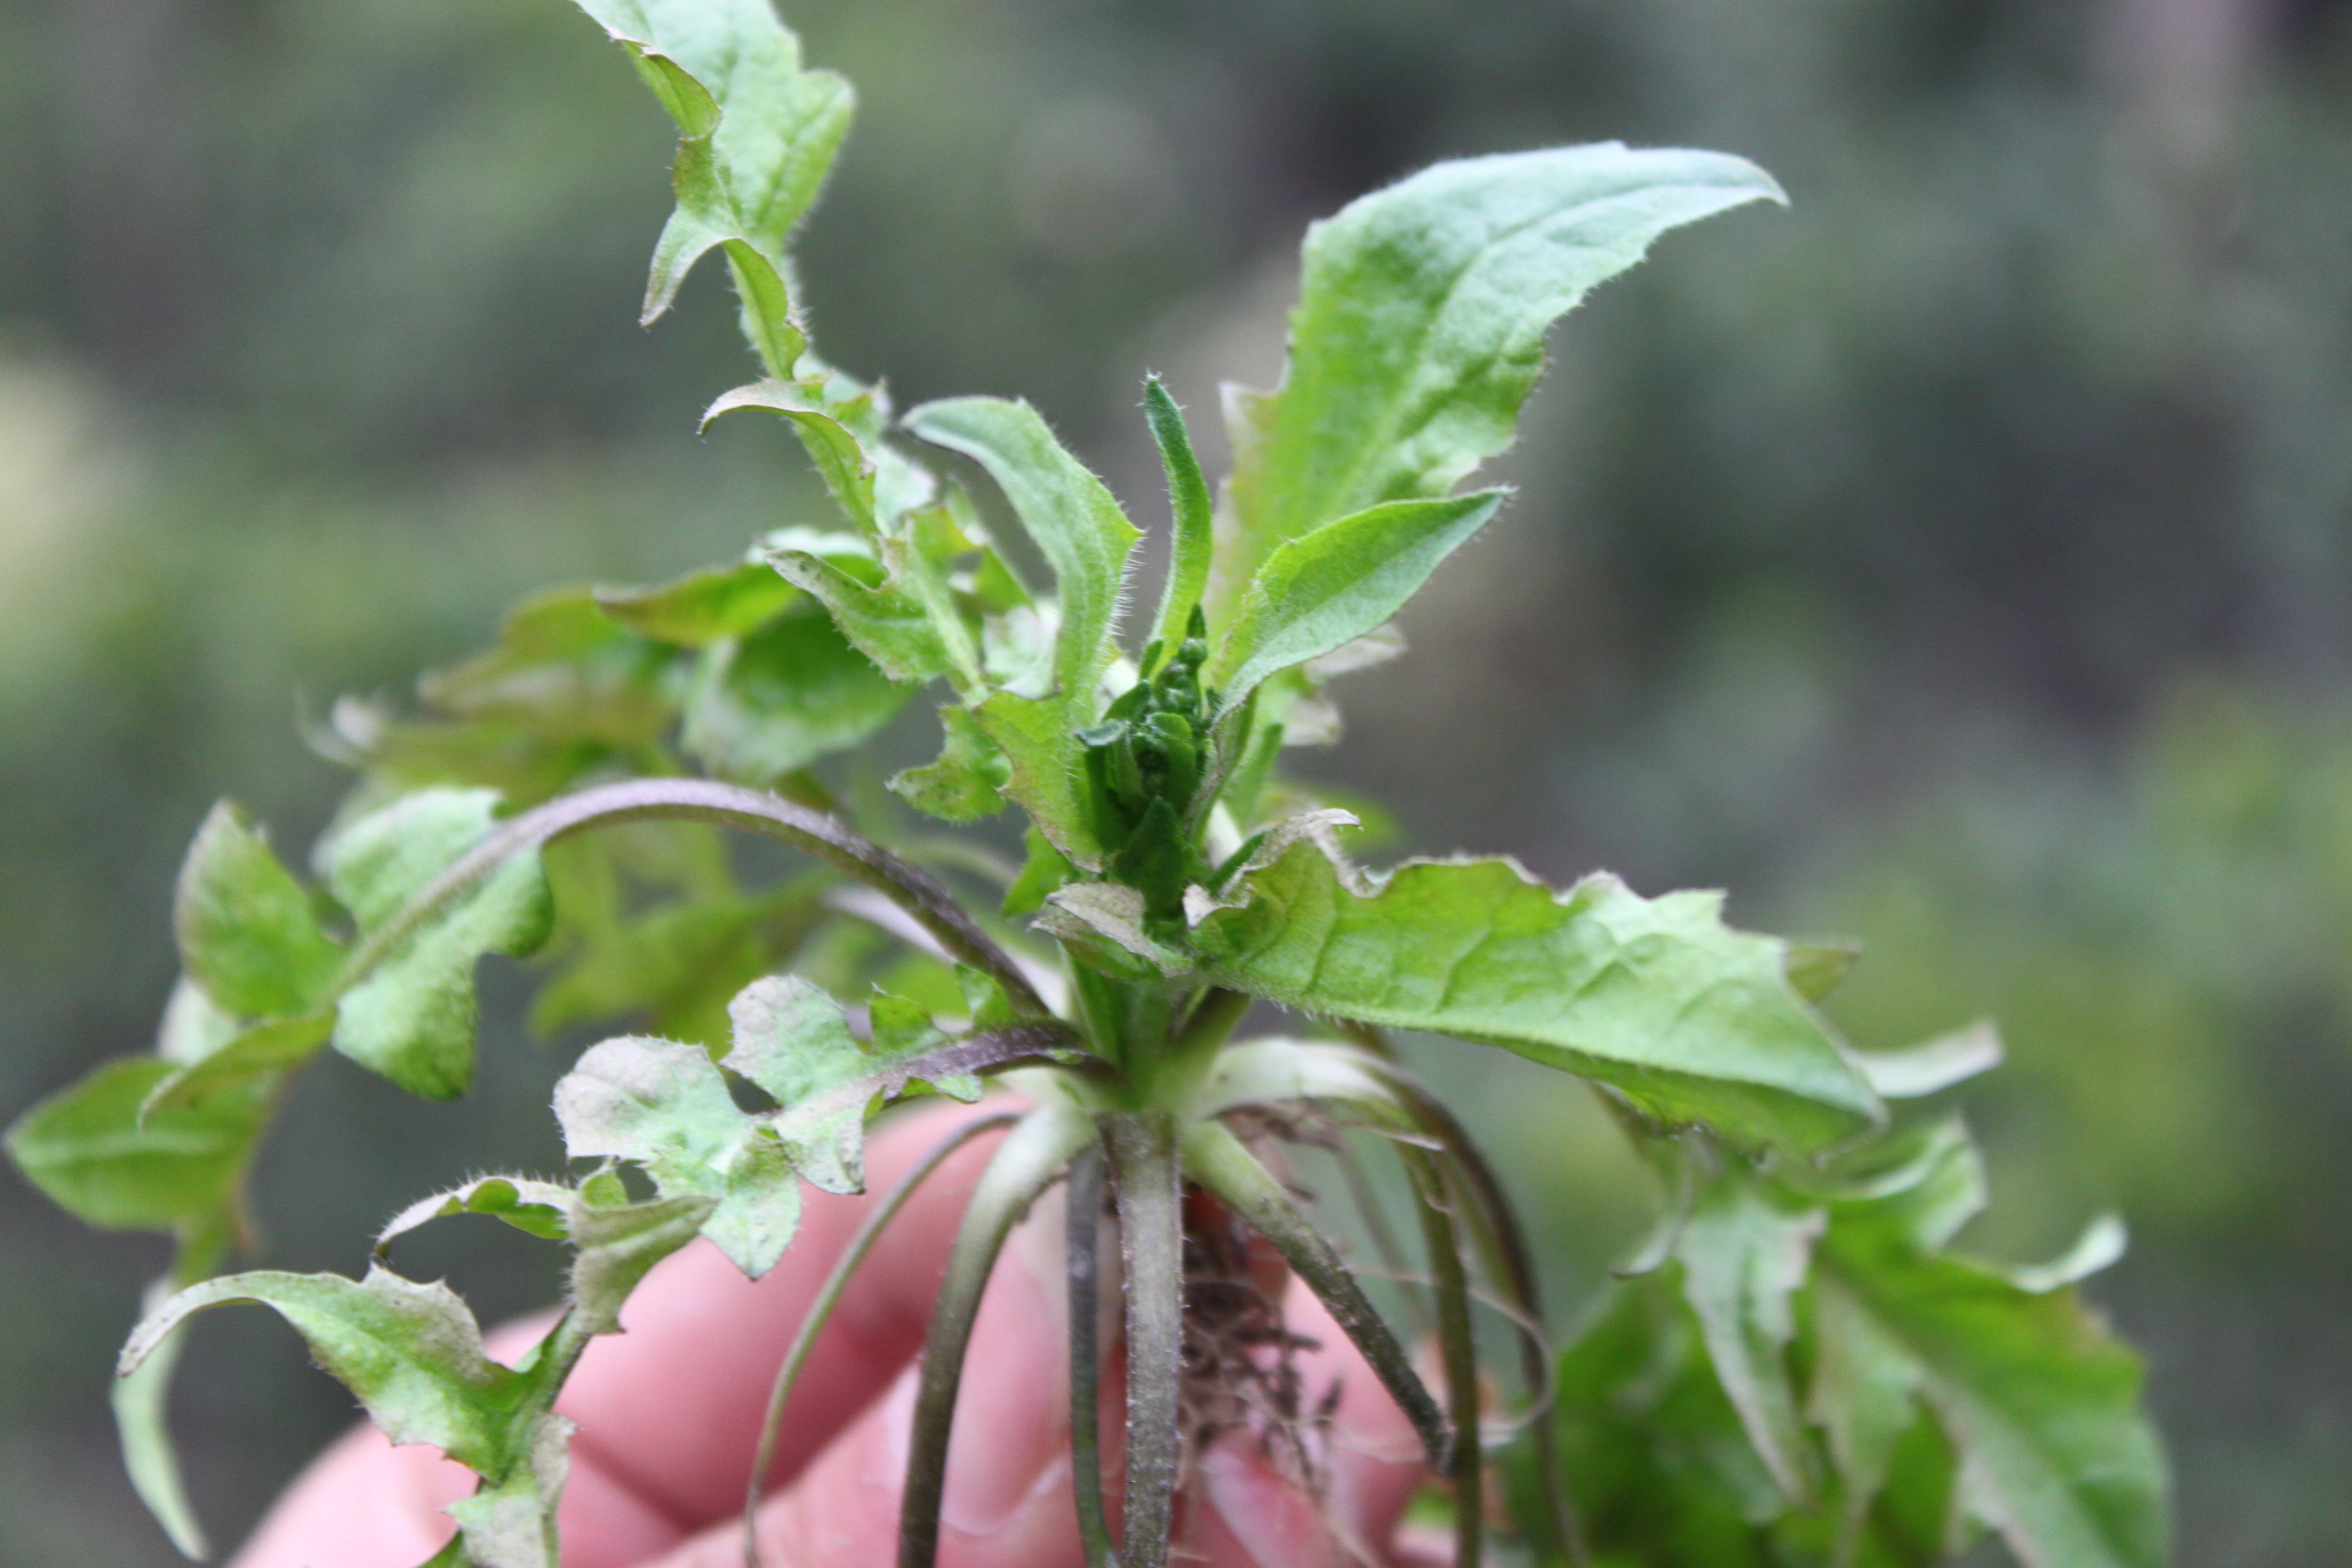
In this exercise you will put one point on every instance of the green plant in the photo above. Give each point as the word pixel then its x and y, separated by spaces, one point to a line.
pixel 1798 1370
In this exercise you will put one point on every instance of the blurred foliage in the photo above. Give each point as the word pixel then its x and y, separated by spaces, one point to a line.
pixel 1962 561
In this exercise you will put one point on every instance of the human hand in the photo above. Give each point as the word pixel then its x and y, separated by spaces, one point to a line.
pixel 669 1413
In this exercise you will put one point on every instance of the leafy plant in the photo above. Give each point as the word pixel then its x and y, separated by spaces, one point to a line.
pixel 1798 1369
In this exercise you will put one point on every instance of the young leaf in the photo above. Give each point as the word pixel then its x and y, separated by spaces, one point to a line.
pixel 909 631
pixel 1073 518
pixel 1421 318
pixel 778 699
pixel 88 1149
pixel 665 1106
pixel 1194 541
pixel 1690 1020
pixel 248 932
pixel 968 780
pixel 411 1017
pixel 1043 758
pixel 839 455
pixel 757 135
pixel 1324 589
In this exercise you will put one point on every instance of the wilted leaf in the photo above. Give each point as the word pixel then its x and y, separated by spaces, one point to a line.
pixel 411 1353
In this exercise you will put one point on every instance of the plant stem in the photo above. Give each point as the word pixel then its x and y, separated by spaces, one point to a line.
pixel 1460 1352
pixel 1513 1266
pixel 828 1296
pixel 1218 1161
pixel 814 833
pixel 1151 1239
pixel 1085 1195
pixel 1024 1165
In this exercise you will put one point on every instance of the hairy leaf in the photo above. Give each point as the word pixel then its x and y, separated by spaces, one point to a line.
pixel 617 1243
pixel 757 135
pixel 537 1207
pixel 778 699
pixel 88 1149
pixel 248 932
pixel 1690 1020
pixel 1421 318
pixel 1069 512
pixel 1324 589
pixel 412 1016
pixel 794 1042
pixel 968 780
pixel 411 1353
pixel 665 1106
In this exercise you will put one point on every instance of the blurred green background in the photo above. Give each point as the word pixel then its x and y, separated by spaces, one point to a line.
pixel 1961 561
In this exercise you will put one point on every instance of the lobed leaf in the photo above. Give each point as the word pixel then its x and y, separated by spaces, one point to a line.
pixel 666 1107
pixel 1745 1252
pixel 1689 1019
pixel 757 136
pixel 411 1016
pixel 1421 318
pixel 968 780
pixel 89 1149
pixel 411 1353
pixel 2041 1401
pixel 248 932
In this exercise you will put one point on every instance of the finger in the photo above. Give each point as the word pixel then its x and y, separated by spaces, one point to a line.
pixel 1251 1513
pixel 669 1411
pixel 672 1408
pixel 1008 1499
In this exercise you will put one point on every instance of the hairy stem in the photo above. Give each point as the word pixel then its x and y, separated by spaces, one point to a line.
pixel 1085 1192
pixel 1151 1240
pixel 1023 1167
pixel 1218 1161
pixel 822 837
pixel 1459 1351
pixel 828 1296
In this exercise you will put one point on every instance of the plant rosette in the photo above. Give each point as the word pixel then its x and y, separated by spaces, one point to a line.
pixel 1798 1369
